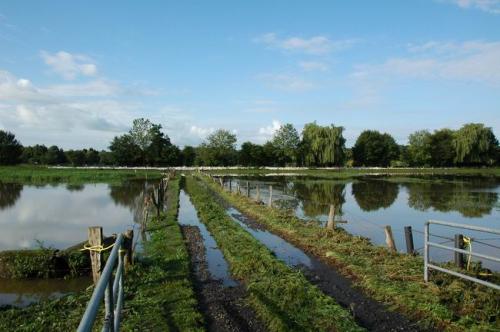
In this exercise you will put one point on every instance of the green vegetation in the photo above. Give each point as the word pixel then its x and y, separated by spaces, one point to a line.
pixel 374 149
pixel 282 297
pixel 145 144
pixel 43 175
pixel 396 279
pixel 43 263
pixel 163 298
pixel 159 293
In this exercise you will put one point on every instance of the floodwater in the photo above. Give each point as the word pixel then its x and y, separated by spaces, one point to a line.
pixel 57 216
pixel 364 205
pixel 217 264
pixel 20 293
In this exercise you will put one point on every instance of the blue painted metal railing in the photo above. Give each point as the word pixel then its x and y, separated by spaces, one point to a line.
pixel 109 288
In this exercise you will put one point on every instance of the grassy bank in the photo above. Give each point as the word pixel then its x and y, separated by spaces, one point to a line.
pixel 163 296
pixel 43 263
pixel 446 303
pixel 354 172
pixel 282 297
pixel 158 292
pixel 43 174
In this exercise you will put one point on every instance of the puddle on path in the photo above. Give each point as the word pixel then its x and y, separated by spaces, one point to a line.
pixel 217 265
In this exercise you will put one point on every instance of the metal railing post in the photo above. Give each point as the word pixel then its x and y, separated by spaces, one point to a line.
pixel 108 303
pixel 426 252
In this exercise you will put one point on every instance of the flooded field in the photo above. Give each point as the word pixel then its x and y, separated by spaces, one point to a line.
pixel 364 205
pixel 57 216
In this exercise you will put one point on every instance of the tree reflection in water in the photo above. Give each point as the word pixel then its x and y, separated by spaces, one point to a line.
pixel 317 196
pixel 374 194
pixel 9 194
pixel 472 197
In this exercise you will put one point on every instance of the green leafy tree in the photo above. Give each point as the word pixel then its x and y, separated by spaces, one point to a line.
pixel 322 146
pixel 419 148
pixel 188 155
pixel 251 154
pixel 475 144
pixel 160 151
pixel 34 154
pixel 375 149
pixel 76 157
pixel 91 157
pixel 285 142
pixel 54 156
pixel 125 151
pixel 441 148
pixel 10 149
pixel 141 133
pixel 219 149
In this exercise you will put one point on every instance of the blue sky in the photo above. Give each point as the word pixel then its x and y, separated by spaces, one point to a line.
pixel 75 74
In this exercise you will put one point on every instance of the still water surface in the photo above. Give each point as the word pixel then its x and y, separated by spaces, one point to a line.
pixel 57 216
pixel 364 205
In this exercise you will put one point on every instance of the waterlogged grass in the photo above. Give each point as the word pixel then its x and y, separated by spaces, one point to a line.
pixel 158 292
pixel 43 175
pixel 163 299
pixel 282 297
pixel 396 279
pixel 343 172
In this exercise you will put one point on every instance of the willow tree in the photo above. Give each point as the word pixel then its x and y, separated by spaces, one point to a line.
pixel 323 145
pixel 475 144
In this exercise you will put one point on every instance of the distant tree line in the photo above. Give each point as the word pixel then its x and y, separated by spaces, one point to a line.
pixel 146 144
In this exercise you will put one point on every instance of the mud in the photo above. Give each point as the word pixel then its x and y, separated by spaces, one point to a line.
pixel 368 313
pixel 224 308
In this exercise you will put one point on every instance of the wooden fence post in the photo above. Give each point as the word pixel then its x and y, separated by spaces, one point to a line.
pixel 230 185
pixel 257 194
pixel 410 248
pixel 129 247
pixel 331 218
pixel 221 182
pixel 389 238
pixel 459 244
pixel 95 239
pixel 248 189
pixel 270 195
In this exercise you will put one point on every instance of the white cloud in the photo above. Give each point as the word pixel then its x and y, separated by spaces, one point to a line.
pixel 269 131
pixel 475 61
pixel 94 88
pixel 68 65
pixel 316 45
pixel 35 114
pixel 201 132
pixel 286 82
pixel 313 66
pixel 490 6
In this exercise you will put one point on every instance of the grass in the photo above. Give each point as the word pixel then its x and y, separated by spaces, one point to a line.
pixel 43 174
pixel 163 296
pixel 282 297
pixel 158 292
pixel 446 303
pixel 354 172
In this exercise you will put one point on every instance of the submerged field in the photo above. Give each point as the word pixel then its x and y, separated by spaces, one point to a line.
pixel 228 263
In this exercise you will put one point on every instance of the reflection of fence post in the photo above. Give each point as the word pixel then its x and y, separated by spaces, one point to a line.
pixel 95 240
pixel 410 248
pixel 459 244
pixel 248 189
pixel 257 194
pixel 270 203
pixel 389 238
pixel 238 191
pixel 230 185
pixel 331 217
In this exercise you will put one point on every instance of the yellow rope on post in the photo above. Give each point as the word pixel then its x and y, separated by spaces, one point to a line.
pixel 468 243
pixel 98 248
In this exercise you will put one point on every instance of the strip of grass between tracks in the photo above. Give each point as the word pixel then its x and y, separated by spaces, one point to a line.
pixel 282 297
pixel 393 278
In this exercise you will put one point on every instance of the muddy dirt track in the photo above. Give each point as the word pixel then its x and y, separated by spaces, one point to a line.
pixel 224 307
